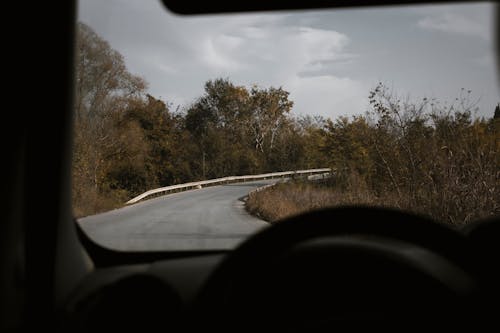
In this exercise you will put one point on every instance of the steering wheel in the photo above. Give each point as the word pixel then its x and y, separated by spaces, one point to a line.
pixel 345 267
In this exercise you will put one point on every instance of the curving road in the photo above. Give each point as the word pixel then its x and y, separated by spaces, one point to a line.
pixel 208 218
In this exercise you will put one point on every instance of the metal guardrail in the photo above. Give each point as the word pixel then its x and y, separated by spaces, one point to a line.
pixel 225 180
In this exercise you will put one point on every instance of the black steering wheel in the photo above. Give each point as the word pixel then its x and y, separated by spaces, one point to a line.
pixel 346 267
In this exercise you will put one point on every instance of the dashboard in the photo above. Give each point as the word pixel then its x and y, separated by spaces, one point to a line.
pixel 346 268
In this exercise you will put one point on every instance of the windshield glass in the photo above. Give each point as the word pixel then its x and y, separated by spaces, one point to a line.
pixel 195 132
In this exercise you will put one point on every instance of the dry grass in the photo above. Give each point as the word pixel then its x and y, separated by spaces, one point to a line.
pixel 89 201
pixel 288 199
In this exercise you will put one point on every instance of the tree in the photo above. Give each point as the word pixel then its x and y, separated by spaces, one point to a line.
pixel 269 108
pixel 101 75
pixel 237 131
pixel 438 158
pixel 216 122
pixel 104 88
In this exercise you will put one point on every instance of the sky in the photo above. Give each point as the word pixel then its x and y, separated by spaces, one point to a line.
pixel 327 59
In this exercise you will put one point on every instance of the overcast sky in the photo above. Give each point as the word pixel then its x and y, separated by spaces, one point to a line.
pixel 328 60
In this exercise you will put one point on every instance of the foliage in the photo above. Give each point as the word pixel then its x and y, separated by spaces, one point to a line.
pixel 420 156
pixel 127 141
pixel 417 155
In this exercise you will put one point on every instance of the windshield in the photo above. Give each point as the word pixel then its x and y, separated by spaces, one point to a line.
pixel 195 132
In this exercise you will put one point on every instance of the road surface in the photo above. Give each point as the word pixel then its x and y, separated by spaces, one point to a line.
pixel 202 219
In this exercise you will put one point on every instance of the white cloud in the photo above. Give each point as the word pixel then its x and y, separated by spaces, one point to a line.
pixel 277 54
pixel 308 54
pixel 457 23
pixel 177 55
pixel 486 61
pixel 213 55
pixel 328 96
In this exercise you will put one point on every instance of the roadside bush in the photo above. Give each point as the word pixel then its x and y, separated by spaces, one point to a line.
pixel 419 156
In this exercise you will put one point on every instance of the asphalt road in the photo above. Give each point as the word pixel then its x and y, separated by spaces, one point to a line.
pixel 208 218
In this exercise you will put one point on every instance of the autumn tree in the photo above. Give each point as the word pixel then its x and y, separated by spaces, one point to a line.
pixel 167 141
pixel 216 122
pixel 268 108
pixel 103 88
pixel 347 143
pixel 313 135
pixel 237 130
pixel 288 147
pixel 419 155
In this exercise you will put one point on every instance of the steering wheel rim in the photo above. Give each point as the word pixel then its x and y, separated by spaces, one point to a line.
pixel 256 251
pixel 346 220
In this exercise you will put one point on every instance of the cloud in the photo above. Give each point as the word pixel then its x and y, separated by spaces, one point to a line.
pixel 328 96
pixel 486 61
pixel 456 23
pixel 213 55
pixel 301 59
pixel 177 55
pixel 327 61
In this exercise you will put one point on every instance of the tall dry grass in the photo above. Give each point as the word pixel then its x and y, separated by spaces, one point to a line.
pixel 288 199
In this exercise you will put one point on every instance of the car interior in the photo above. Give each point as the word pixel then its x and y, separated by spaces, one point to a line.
pixel 373 268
